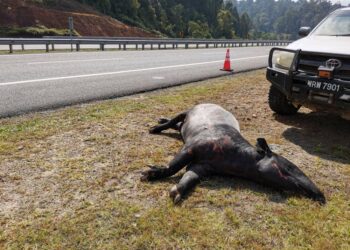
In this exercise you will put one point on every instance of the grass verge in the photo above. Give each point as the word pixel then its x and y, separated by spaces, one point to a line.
pixel 69 178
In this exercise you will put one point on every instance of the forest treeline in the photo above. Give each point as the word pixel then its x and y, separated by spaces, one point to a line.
pixel 282 19
pixel 266 19
pixel 179 18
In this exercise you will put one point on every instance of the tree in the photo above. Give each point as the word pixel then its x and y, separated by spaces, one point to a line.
pixel 147 14
pixel 104 6
pixel 198 30
pixel 246 25
pixel 225 23
pixel 176 17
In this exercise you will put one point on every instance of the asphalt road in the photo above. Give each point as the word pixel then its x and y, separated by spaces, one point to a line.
pixel 32 82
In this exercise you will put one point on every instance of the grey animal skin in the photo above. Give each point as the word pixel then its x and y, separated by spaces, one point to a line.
pixel 213 145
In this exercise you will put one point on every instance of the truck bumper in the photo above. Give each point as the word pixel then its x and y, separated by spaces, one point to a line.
pixel 295 87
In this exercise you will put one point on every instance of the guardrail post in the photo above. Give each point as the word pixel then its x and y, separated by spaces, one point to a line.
pixel 143 46
pixel 124 46
pixel 78 47
pixel 137 46
pixel 11 48
pixel 120 46
pixel 22 47
pixel 47 47
pixel 158 45
pixel 52 47
pixel 151 46
pixel 186 45
pixel 102 47
pixel 173 45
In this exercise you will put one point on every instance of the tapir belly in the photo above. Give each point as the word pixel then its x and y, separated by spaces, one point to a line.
pixel 205 119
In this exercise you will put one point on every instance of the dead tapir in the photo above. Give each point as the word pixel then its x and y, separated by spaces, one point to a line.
pixel 214 145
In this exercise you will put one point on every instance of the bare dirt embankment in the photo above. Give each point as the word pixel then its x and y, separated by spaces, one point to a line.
pixel 69 179
pixel 87 22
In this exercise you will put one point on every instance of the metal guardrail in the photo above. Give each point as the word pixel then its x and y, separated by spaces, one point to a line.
pixel 137 43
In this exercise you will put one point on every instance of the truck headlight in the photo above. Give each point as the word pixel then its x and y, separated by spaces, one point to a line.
pixel 283 59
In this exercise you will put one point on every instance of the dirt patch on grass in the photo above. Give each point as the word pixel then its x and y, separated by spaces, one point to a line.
pixel 70 178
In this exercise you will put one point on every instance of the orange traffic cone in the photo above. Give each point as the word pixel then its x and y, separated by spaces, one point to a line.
pixel 227 63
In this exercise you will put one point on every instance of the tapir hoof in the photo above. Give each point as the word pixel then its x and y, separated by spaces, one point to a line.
pixel 175 195
pixel 320 199
pixel 154 130
pixel 150 174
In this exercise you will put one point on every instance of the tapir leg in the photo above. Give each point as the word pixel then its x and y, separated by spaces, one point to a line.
pixel 165 120
pixel 188 181
pixel 182 159
pixel 169 124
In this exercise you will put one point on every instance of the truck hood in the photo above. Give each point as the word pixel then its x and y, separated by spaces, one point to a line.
pixel 323 44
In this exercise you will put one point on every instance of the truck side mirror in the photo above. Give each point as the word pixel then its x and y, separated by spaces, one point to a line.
pixel 304 31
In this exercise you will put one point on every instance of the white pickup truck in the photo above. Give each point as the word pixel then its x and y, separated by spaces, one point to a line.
pixel 313 71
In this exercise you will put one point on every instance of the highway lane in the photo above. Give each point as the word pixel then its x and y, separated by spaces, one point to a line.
pixel 32 82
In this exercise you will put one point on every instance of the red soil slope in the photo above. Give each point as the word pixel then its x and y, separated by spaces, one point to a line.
pixel 87 22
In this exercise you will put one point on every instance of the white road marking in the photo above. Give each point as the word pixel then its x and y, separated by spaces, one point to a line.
pixel 82 60
pixel 215 53
pixel 158 77
pixel 123 71
pixel 45 53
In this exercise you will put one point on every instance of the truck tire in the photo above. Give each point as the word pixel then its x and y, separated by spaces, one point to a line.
pixel 279 103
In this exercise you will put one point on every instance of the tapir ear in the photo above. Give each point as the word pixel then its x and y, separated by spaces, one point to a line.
pixel 262 147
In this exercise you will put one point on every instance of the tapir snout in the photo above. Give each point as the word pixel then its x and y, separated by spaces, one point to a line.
pixel 277 171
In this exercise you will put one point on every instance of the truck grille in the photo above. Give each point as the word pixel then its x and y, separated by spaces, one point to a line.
pixel 309 63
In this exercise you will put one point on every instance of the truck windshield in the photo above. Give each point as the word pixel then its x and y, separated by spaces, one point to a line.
pixel 337 24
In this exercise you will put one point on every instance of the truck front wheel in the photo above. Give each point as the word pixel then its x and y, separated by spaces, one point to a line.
pixel 279 103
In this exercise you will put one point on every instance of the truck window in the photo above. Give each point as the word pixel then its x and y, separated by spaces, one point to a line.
pixel 337 24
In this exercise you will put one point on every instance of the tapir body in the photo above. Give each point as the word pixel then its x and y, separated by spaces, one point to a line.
pixel 213 145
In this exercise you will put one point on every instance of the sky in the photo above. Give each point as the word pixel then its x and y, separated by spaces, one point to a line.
pixel 343 2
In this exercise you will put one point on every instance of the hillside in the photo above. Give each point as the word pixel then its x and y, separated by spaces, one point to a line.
pixel 87 22
pixel 266 19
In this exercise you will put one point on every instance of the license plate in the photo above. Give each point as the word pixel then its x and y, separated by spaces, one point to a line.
pixel 327 86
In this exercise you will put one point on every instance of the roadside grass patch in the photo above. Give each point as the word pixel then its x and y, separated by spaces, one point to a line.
pixel 69 178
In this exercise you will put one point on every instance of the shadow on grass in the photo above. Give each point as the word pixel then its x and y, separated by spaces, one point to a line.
pixel 323 135
pixel 237 184
pixel 234 184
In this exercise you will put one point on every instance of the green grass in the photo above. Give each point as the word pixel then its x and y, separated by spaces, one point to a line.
pixel 69 179
pixel 37 31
